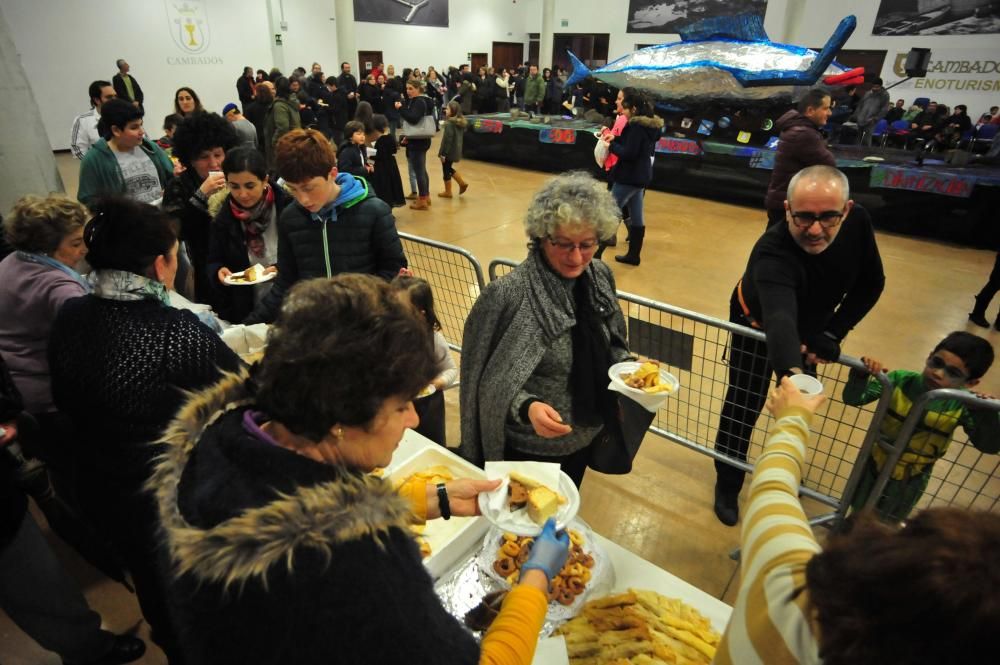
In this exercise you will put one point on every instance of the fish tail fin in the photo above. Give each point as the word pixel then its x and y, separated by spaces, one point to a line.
pixel 580 70
pixel 832 47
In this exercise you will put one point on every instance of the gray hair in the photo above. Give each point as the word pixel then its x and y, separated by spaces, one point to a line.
pixel 573 199
pixel 819 173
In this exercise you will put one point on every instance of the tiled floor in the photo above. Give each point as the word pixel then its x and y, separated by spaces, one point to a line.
pixel 695 250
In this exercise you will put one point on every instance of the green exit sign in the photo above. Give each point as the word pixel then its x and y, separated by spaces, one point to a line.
pixel 565 23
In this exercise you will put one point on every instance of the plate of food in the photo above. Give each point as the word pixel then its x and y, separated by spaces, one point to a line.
pixel 529 494
pixel 643 378
pixel 252 276
pixel 586 570
pixel 427 391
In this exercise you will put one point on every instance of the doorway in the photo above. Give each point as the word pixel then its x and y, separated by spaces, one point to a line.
pixel 507 54
pixel 477 60
pixel 533 50
pixel 592 49
pixel 367 60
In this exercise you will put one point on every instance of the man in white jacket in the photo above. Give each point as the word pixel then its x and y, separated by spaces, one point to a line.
pixel 84 133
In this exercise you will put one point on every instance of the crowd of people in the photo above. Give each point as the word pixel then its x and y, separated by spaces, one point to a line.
pixel 239 498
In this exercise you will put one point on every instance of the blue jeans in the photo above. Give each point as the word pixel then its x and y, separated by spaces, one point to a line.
pixel 416 159
pixel 631 196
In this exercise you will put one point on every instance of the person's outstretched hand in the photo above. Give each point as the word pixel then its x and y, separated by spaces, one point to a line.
pixel 548 552
pixel 788 395
pixel 463 495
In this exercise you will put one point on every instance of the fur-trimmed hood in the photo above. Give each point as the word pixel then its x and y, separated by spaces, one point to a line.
pixel 320 516
pixel 651 122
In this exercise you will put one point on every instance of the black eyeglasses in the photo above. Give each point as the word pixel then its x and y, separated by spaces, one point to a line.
pixel 827 219
pixel 954 373
pixel 566 246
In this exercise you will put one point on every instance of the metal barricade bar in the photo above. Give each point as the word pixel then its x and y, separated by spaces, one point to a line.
pixel 978 476
pixel 455 276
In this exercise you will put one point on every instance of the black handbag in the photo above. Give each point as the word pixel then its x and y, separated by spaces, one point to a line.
pixel 616 445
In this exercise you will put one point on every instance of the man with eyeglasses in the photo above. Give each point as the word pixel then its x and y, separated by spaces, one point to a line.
pixel 808 282
pixel 800 144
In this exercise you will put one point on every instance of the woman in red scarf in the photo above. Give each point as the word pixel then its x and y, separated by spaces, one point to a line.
pixel 244 231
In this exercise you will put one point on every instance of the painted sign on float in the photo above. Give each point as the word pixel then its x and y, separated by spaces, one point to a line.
pixel 919 180
pixel 674 146
pixel 557 135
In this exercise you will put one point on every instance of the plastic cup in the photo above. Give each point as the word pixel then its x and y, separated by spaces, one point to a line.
pixel 807 385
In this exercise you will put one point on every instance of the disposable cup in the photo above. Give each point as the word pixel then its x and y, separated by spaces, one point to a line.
pixel 807 385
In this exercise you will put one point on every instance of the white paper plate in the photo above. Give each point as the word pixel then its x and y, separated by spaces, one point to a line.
pixel 426 391
pixel 267 277
pixel 501 519
pixel 616 370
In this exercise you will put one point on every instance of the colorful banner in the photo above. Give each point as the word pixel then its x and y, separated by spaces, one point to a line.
pixel 557 135
pixel 673 146
pixel 920 180
pixel 487 126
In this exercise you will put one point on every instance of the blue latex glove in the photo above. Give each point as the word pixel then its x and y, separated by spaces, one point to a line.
pixel 549 551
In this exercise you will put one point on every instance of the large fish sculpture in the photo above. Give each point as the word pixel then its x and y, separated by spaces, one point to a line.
pixel 726 59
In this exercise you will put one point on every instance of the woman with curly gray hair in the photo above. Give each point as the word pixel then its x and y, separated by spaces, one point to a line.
pixel 539 341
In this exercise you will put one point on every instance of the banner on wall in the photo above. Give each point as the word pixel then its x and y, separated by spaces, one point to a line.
pixel 433 13
pixel 954 76
pixel 937 17
pixel 671 16
pixel 188 25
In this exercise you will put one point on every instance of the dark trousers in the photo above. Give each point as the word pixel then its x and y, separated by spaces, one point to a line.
pixel 417 158
pixel 573 465
pixel 447 169
pixel 45 602
pixel 749 378
pixel 431 411
pixel 992 285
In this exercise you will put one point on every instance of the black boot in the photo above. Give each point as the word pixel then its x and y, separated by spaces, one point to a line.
pixel 978 313
pixel 634 247
pixel 727 506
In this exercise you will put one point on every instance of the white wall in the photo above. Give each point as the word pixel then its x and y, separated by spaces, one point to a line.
pixel 603 17
pixel 473 26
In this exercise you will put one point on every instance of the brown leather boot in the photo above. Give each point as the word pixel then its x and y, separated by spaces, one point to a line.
pixel 462 185
pixel 412 196
pixel 446 194
pixel 420 203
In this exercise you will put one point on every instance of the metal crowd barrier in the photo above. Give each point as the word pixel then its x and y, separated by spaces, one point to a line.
pixel 963 477
pixel 693 347
pixel 455 276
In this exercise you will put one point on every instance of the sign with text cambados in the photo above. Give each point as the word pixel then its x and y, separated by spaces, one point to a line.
pixel 954 76
pixel 187 21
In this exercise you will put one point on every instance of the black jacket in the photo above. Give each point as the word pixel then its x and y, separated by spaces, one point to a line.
pixel 256 112
pixel 118 83
pixel 280 559
pixel 801 145
pixel 413 110
pixel 334 113
pixel 635 148
pixel 351 158
pixel 362 239
pixel 227 247
pixel 795 295
pixel 183 200
pixel 244 89
pixel 13 502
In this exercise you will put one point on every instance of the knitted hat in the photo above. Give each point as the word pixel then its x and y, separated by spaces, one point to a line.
pixel 228 107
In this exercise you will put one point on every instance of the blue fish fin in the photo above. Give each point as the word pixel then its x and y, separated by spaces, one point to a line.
pixel 580 70
pixel 809 76
pixel 748 27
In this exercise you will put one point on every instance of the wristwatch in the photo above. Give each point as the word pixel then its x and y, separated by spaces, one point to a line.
pixel 443 501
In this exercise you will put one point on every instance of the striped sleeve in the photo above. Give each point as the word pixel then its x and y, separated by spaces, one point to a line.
pixel 770 622
pixel 75 137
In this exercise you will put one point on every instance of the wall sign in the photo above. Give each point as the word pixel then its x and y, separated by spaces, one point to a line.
pixel 188 24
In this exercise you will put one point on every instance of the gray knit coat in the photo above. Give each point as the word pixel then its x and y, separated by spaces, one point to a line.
pixel 510 328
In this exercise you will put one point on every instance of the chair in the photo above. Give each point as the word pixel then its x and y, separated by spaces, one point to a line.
pixel 899 129
pixel 879 131
pixel 984 138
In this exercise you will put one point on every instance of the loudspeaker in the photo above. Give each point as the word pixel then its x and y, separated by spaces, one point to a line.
pixel 916 62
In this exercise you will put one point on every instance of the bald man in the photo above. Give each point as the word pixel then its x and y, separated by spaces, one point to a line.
pixel 808 282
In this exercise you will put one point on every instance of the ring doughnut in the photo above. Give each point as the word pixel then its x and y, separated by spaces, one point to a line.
pixel 565 597
pixel 587 561
pixel 586 575
pixel 513 577
pixel 508 536
pixel 575 585
pixel 510 548
pixel 575 537
pixel 504 566
pixel 523 555
pixel 576 570
pixel 555 588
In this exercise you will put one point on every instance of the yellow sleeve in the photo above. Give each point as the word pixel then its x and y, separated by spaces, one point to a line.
pixel 414 491
pixel 512 638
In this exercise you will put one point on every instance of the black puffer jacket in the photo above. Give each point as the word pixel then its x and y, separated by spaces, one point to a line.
pixel 184 200
pixel 227 247
pixel 635 149
pixel 361 239
pixel 13 502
